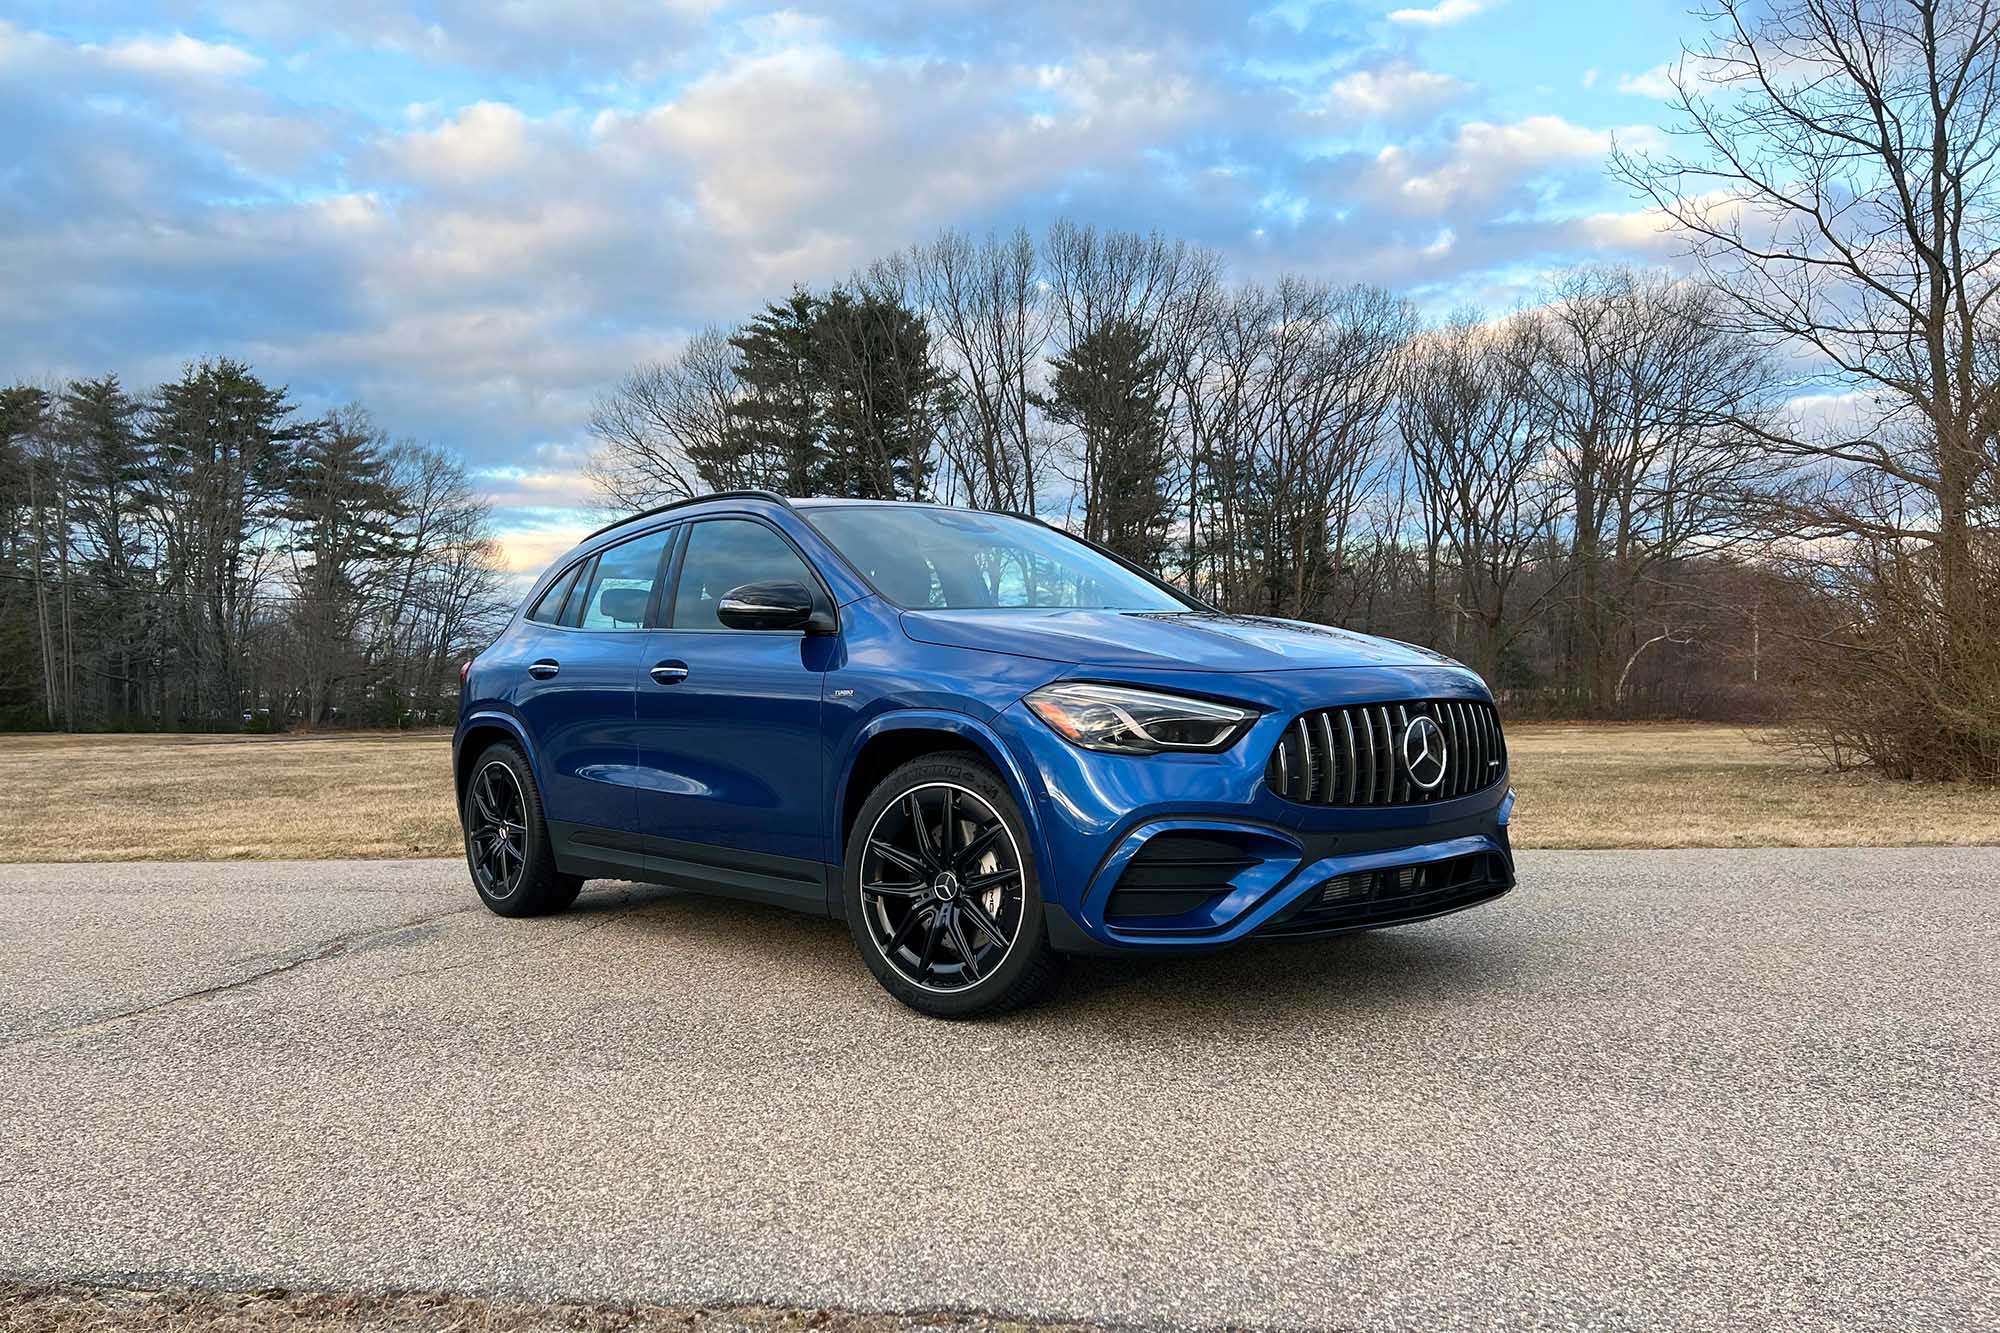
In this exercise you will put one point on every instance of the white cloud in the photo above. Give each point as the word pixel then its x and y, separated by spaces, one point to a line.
pixel 1395 90
pixel 1588 79
pixel 1482 162
pixel 1441 14
pixel 1656 82
pixel 178 56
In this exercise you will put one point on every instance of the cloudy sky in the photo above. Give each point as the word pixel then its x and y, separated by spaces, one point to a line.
pixel 473 215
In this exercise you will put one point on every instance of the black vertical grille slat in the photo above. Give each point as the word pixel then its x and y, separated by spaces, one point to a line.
pixel 1352 756
pixel 1483 744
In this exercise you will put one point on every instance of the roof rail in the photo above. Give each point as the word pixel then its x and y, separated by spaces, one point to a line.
pixel 772 496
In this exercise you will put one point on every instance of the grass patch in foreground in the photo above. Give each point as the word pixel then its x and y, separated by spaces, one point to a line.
pixel 80 1309
pixel 202 798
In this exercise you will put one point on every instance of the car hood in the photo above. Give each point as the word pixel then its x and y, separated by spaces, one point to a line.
pixel 1164 640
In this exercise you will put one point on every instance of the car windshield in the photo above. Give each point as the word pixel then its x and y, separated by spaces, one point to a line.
pixel 958 559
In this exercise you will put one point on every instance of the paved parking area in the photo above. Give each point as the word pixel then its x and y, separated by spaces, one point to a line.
pixel 1751 1088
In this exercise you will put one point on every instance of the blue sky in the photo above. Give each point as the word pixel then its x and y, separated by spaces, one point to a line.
pixel 475 215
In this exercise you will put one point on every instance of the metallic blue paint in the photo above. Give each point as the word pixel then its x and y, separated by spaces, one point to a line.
pixel 755 751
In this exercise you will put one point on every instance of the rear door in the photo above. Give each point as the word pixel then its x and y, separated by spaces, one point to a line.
pixel 578 699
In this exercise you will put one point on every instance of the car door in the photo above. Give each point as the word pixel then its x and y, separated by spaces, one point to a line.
pixel 729 724
pixel 580 674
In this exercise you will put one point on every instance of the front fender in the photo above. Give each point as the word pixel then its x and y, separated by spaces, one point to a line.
pixel 965 728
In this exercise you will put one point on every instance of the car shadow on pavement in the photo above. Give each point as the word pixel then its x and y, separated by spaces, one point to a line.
pixel 1262 983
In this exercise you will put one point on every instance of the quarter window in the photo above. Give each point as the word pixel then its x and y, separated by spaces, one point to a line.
pixel 621 587
pixel 727 553
pixel 548 607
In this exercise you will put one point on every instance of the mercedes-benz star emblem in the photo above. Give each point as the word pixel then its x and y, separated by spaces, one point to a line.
pixel 1423 752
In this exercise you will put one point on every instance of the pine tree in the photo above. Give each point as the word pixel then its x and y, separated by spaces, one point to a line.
pixel 884 396
pixel 99 421
pixel 1108 389
pixel 221 441
pixel 778 422
pixel 341 514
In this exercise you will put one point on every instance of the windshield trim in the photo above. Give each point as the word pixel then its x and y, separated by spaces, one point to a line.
pixel 806 509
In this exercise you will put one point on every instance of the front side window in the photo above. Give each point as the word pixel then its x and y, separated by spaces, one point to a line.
pixel 621 587
pixel 727 553
pixel 958 559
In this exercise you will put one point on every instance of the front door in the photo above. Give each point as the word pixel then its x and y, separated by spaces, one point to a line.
pixel 731 790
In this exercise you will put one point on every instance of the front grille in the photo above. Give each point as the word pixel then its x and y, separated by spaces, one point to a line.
pixel 1401 893
pixel 1353 756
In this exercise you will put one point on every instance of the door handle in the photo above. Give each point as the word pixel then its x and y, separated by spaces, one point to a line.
pixel 669 673
pixel 543 669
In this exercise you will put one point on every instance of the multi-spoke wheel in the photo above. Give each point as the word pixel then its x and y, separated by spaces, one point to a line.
pixel 507 840
pixel 496 830
pixel 941 892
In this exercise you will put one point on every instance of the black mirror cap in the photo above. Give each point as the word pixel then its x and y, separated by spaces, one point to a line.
pixel 773 604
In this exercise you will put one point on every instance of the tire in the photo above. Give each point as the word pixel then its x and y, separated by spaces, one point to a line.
pixel 930 916
pixel 531 884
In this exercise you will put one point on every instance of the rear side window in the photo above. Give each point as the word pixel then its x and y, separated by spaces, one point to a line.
pixel 621 586
pixel 726 553
pixel 548 607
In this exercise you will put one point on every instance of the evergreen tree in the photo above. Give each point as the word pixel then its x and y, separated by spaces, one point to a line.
pixel 99 421
pixel 777 424
pixel 340 513
pixel 1108 388
pixel 221 440
pixel 884 396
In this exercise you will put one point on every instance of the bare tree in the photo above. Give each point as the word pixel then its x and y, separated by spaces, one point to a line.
pixel 1292 402
pixel 990 322
pixel 1104 287
pixel 665 430
pixel 1476 457
pixel 1839 187
pixel 1653 410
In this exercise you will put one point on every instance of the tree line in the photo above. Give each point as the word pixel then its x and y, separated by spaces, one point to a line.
pixel 1553 496
pixel 1769 486
pixel 203 556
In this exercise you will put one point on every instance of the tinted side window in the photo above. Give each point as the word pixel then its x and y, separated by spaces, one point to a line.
pixel 548 607
pixel 621 588
pixel 726 553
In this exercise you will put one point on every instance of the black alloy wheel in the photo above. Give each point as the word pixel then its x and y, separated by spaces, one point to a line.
pixel 941 887
pixel 496 830
pixel 507 840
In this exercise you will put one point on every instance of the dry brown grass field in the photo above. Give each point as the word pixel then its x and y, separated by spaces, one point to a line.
pixel 173 797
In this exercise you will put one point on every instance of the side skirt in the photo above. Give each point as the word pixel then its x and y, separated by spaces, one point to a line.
pixel 781 881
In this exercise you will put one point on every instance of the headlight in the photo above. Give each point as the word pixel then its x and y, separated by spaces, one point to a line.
pixel 1121 720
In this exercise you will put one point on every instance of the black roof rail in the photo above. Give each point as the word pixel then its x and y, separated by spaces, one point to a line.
pixel 772 496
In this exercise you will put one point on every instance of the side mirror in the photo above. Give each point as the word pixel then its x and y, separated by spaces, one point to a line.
pixel 777 604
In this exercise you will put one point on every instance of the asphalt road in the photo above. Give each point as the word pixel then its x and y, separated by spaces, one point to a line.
pixel 1702 1089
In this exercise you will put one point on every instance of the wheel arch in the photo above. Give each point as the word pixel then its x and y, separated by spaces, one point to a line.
pixel 894 739
pixel 478 732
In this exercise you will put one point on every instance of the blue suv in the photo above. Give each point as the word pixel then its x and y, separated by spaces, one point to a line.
pixel 982 742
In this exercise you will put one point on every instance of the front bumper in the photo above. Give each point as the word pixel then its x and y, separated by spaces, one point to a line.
pixel 1285 868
